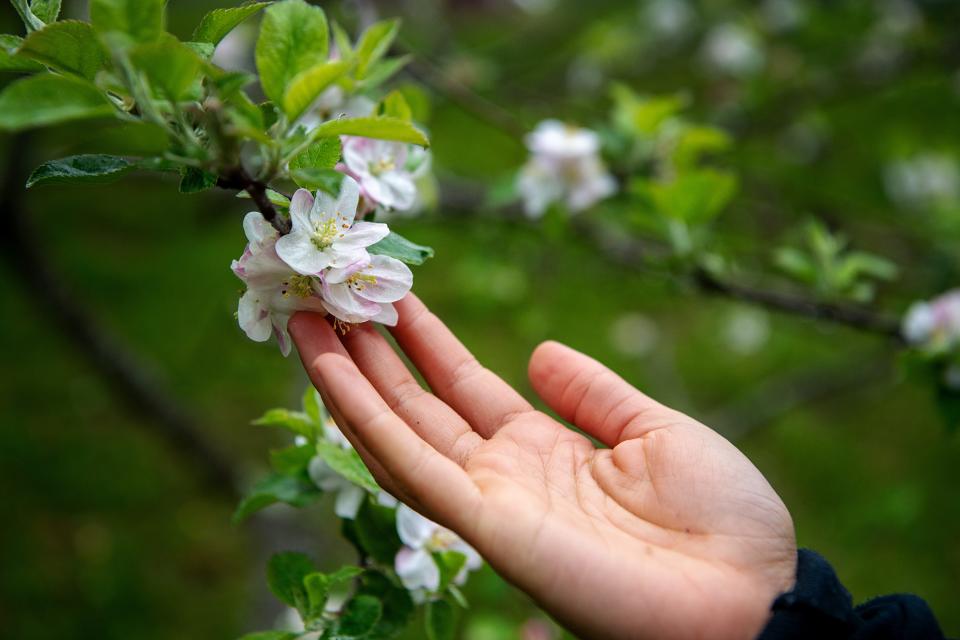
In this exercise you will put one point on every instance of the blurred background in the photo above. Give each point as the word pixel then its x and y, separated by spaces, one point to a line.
pixel 127 389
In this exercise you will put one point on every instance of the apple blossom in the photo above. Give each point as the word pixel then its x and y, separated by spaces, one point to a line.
pixel 366 289
pixel 414 562
pixel 274 291
pixel 383 170
pixel 564 166
pixel 324 233
pixel 934 324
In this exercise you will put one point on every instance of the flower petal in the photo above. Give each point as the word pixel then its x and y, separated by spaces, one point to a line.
pixel 348 501
pixel 401 190
pixel 257 229
pixel 299 252
pixel 417 569
pixel 363 234
pixel 390 280
pixel 388 315
pixel 349 198
pixel 253 316
pixel 414 529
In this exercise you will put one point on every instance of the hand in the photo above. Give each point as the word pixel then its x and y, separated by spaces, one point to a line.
pixel 669 533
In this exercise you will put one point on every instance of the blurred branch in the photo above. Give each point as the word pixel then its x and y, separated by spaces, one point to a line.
pixel 239 180
pixel 124 374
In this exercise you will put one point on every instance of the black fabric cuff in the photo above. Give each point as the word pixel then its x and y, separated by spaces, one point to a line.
pixel 820 607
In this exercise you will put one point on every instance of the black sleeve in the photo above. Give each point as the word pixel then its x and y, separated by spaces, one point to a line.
pixel 819 607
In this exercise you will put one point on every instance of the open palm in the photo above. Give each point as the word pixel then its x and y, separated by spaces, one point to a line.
pixel 669 533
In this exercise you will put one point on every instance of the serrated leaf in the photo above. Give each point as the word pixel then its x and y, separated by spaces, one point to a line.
pixel 359 617
pixel 379 127
pixel 276 488
pixel 48 99
pixel 439 621
pixel 374 43
pixel 348 464
pixel 276 199
pixel 10 60
pixel 193 180
pixel 306 86
pixel 30 19
pixel 46 10
pixel 218 23
pixel 70 46
pixel 398 608
pixel 171 67
pixel 396 246
pixel 395 105
pixel 285 574
pixel 322 154
pixel 294 421
pixel 293 38
pixel 81 169
pixel 318 586
pixel 376 531
pixel 293 460
pixel 126 21
pixel 206 50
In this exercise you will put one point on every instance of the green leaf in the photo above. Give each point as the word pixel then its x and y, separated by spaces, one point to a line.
pixel 70 46
pixel 376 531
pixel 695 197
pixel 313 405
pixel 439 621
pixel 218 23
pixel 205 50
pixel 293 460
pixel 359 617
pixel 81 169
pixel 396 246
pixel 171 67
pixel 395 105
pixel 348 464
pixel 383 71
pixel 295 421
pixel 285 574
pixel 293 38
pixel 10 58
pixel 271 635
pixel 276 488
pixel 46 10
pixel 306 86
pixel 397 606
pixel 342 41
pixel 327 180
pixel 195 180
pixel 126 21
pixel 276 199
pixel 319 585
pixel 450 563
pixel 323 154
pixel 48 99
pixel 374 43
pixel 379 127
pixel 30 19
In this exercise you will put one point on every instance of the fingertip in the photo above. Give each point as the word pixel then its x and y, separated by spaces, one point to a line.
pixel 312 334
pixel 543 358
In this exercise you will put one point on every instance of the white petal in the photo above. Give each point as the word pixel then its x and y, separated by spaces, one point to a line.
pixel 323 476
pixel 384 499
pixel 401 189
pixel 356 153
pixel 300 205
pixel 257 229
pixel 414 530
pixel 392 280
pixel 253 316
pixel 281 333
pixel 349 198
pixel 348 502
pixel 324 208
pixel 297 250
pixel 474 561
pixel 363 234
pixel 338 275
pixel 417 569
pixel 388 315
pixel 346 257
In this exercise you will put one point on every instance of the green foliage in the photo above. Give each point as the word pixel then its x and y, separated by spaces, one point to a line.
pixel 373 45
pixel 274 488
pixel 70 47
pixel 293 460
pixel 379 127
pixel 395 105
pixel 293 38
pixel 439 620
pixel 46 10
pixel 285 577
pixel 359 617
pixel 694 198
pixel 10 58
pixel 305 87
pixel 193 180
pixel 396 246
pixel 127 21
pixel 374 532
pixel 170 67
pixel 323 154
pixel 81 169
pixel 218 23
pixel 270 635
pixel 45 100
pixel 348 464
pixel 293 421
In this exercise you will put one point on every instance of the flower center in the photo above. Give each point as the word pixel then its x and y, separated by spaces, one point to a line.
pixel 441 540
pixel 326 232
pixel 382 166
pixel 300 286
pixel 359 281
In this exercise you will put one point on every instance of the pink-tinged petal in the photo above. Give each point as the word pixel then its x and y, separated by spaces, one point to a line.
pixel 257 229
pixel 349 198
pixel 299 252
pixel 387 316
pixel 348 501
pixel 339 300
pixel 414 529
pixel 389 280
pixel 300 205
pixel 344 257
pixel 400 188
pixel 417 569
pixel 253 317
pixel 356 154
pixel 363 234
pixel 338 275
pixel 283 337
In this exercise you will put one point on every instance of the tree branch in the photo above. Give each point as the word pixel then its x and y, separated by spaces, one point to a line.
pixel 128 378
pixel 239 180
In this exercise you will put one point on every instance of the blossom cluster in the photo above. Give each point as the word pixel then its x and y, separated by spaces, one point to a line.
pixel 564 167
pixel 416 563
pixel 935 324
pixel 323 264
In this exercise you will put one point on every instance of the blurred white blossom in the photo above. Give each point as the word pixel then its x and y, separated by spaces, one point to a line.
pixel 746 331
pixel 733 49
pixel 924 180
pixel 783 15
pixel 934 324
pixel 668 19
pixel 634 334
pixel 415 564
pixel 564 166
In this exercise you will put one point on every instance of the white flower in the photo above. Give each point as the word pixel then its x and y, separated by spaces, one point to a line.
pixel 274 290
pixel 324 233
pixel 564 166
pixel 935 324
pixel 732 49
pixel 366 289
pixel 414 563
pixel 349 496
pixel 923 181
pixel 381 168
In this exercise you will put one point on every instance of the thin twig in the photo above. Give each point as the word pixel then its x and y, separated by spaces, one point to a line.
pixel 239 180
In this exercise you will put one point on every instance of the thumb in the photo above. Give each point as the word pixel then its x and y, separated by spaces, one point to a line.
pixel 592 397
